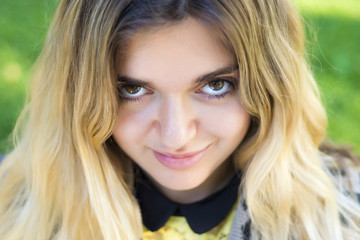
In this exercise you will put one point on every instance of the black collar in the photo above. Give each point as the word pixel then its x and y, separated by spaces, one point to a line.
pixel 202 216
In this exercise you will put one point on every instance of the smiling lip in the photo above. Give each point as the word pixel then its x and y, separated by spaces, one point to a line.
pixel 179 161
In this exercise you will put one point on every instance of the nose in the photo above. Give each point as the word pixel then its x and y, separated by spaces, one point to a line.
pixel 177 123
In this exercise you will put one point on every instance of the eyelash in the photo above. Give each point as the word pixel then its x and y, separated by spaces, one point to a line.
pixel 231 81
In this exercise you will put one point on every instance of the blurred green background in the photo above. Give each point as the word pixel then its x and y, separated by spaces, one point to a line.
pixel 333 28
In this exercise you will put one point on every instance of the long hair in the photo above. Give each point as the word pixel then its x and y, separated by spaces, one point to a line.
pixel 67 179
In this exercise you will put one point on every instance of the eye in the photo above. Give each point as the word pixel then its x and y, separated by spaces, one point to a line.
pixel 217 87
pixel 132 91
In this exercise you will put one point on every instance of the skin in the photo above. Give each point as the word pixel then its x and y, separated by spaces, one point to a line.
pixel 165 109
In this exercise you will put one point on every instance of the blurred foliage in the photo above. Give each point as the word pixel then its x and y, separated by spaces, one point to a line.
pixel 333 28
pixel 329 8
pixel 23 25
pixel 336 63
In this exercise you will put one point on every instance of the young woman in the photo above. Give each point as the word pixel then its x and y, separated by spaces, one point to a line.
pixel 175 119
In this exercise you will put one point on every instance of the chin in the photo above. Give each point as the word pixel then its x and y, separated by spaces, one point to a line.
pixel 182 183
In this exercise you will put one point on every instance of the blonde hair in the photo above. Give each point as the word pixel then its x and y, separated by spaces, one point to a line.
pixel 66 178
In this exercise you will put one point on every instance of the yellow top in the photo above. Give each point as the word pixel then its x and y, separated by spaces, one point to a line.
pixel 176 228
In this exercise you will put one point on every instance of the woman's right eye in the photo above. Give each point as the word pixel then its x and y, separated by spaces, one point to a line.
pixel 132 91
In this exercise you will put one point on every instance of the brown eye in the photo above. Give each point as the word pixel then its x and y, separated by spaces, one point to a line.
pixel 132 89
pixel 216 85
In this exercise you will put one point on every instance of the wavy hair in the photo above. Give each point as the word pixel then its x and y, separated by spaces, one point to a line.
pixel 66 178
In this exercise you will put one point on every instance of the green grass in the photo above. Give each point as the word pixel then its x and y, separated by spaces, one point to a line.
pixel 334 55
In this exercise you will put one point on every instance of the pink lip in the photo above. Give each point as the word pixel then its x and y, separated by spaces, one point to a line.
pixel 179 161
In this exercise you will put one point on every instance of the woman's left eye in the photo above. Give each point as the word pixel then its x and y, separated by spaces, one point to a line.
pixel 217 87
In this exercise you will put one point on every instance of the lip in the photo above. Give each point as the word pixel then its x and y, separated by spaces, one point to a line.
pixel 179 161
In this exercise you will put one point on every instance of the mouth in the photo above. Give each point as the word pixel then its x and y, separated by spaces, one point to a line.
pixel 179 161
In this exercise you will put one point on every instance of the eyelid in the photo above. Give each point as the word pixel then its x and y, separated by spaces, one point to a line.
pixel 123 80
pixel 231 79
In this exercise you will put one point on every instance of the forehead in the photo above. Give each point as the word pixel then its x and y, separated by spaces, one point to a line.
pixel 177 52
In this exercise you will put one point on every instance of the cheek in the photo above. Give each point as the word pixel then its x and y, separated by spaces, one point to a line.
pixel 131 126
pixel 229 121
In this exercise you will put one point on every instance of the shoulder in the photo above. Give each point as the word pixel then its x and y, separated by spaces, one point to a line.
pixel 343 167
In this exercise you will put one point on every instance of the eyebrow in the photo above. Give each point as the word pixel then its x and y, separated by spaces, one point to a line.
pixel 218 72
pixel 221 71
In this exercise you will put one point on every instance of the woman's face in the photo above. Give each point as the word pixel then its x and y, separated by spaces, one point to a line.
pixel 180 117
